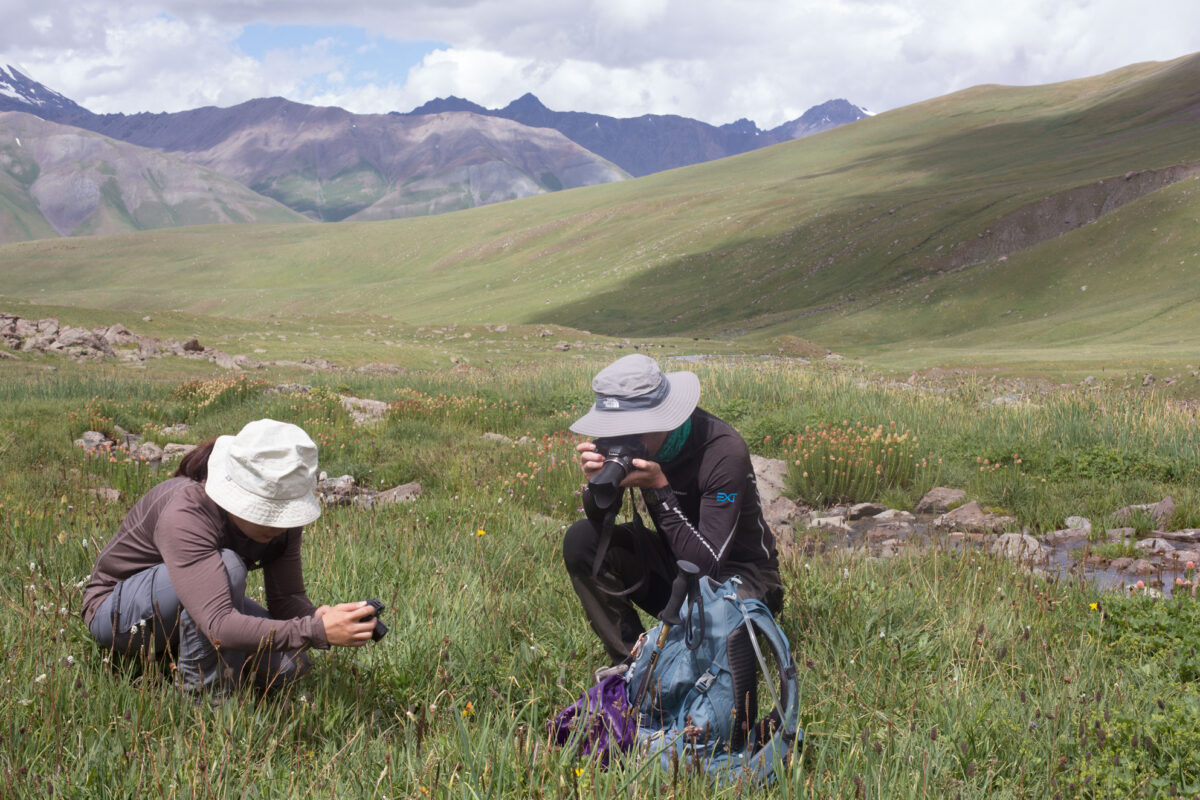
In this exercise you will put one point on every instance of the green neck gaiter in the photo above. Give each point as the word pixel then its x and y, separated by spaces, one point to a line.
pixel 674 443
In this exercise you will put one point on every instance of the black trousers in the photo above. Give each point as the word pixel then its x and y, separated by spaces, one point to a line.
pixel 635 554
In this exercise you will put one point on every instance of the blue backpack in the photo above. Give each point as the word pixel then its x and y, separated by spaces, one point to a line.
pixel 690 695
pixel 694 676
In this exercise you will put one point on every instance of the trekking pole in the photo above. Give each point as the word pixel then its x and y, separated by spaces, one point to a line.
pixel 685 579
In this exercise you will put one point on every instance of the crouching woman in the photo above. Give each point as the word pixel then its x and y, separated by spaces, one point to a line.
pixel 172 581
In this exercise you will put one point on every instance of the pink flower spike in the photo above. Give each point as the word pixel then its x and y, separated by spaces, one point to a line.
pixel 1141 584
pixel 1190 565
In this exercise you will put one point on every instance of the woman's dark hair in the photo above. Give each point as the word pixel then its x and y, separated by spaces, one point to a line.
pixel 195 463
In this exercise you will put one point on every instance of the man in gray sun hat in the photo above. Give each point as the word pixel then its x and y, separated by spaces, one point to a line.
pixel 695 476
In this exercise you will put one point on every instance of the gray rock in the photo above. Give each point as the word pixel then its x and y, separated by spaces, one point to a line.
pixel 107 495
pixel 1019 546
pixel 1155 545
pixel 781 515
pixel 939 499
pixel 339 491
pixel 1079 523
pixel 1142 566
pixel 148 451
pixel 1160 512
pixel 497 437
pixel 973 519
pixel 770 474
pixel 1188 535
pixel 1120 534
pixel 895 515
pixel 91 440
pixel 364 411
pixel 397 494
pixel 830 524
pixel 1068 536
pixel 224 360
pixel 174 450
pixel 861 510
pixel 119 335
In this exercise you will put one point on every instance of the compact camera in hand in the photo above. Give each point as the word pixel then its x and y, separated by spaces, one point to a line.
pixel 380 629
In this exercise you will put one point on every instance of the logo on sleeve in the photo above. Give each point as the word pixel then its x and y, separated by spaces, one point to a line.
pixel 727 497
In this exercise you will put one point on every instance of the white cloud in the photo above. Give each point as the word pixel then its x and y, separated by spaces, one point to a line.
pixel 710 59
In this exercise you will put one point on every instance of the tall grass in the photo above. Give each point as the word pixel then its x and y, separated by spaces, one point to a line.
pixel 934 675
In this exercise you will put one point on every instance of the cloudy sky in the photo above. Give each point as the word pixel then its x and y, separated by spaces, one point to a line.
pixel 767 60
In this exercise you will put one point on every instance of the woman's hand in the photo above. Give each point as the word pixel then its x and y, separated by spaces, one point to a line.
pixel 344 625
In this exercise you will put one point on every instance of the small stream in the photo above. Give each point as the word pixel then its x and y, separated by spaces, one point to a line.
pixel 1063 561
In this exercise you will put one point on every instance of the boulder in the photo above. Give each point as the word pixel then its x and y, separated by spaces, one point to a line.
pixel 148 451
pixel 830 524
pixel 496 437
pixel 781 515
pixel 364 411
pixel 173 450
pixel 1018 546
pixel 1079 523
pixel 1120 534
pixel 1141 566
pixel 107 495
pixel 939 499
pixel 91 440
pixel 861 510
pixel 1160 512
pixel 1068 536
pixel 973 519
pixel 1155 545
pixel 339 491
pixel 771 475
pixel 117 335
pixel 397 494
pixel 894 516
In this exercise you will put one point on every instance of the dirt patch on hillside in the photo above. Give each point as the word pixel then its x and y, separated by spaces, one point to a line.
pixel 1061 213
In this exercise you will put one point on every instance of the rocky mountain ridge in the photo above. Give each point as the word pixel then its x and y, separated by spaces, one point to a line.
pixel 331 165
pixel 654 142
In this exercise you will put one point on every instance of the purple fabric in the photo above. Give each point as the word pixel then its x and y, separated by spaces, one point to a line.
pixel 601 721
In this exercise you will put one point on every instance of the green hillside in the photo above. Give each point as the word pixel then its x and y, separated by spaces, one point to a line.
pixel 965 222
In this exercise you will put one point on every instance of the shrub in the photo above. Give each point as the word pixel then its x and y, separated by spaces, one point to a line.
pixel 852 462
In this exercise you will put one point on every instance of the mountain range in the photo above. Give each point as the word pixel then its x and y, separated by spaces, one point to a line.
pixel 330 165
pixel 1029 224
pixel 656 142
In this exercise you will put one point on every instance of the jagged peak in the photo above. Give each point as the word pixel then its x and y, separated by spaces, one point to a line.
pixel 526 102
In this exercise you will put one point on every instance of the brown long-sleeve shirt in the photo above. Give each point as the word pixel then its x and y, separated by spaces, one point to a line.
pixel 176 523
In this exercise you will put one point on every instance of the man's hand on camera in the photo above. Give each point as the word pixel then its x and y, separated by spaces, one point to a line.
pixel 646 475
pixel 590 459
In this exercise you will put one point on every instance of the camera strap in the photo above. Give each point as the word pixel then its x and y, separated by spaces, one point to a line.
pixel 606 531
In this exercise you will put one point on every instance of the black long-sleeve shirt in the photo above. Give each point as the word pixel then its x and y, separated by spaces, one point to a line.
pixel 710 512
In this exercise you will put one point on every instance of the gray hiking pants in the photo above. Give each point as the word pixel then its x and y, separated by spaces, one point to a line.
pixel 143 614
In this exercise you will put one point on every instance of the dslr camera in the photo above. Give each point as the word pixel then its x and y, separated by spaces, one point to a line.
pixel 380 629
pixel 618 452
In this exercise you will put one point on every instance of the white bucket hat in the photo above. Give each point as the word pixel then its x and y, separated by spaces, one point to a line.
pixel 266 474
pixel 634 396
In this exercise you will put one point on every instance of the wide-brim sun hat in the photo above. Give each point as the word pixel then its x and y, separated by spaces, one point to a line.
pixel 267 475
pixel 634 396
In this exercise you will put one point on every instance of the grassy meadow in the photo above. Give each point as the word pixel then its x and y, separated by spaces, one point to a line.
pixel 1016 310
pixel 933 674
